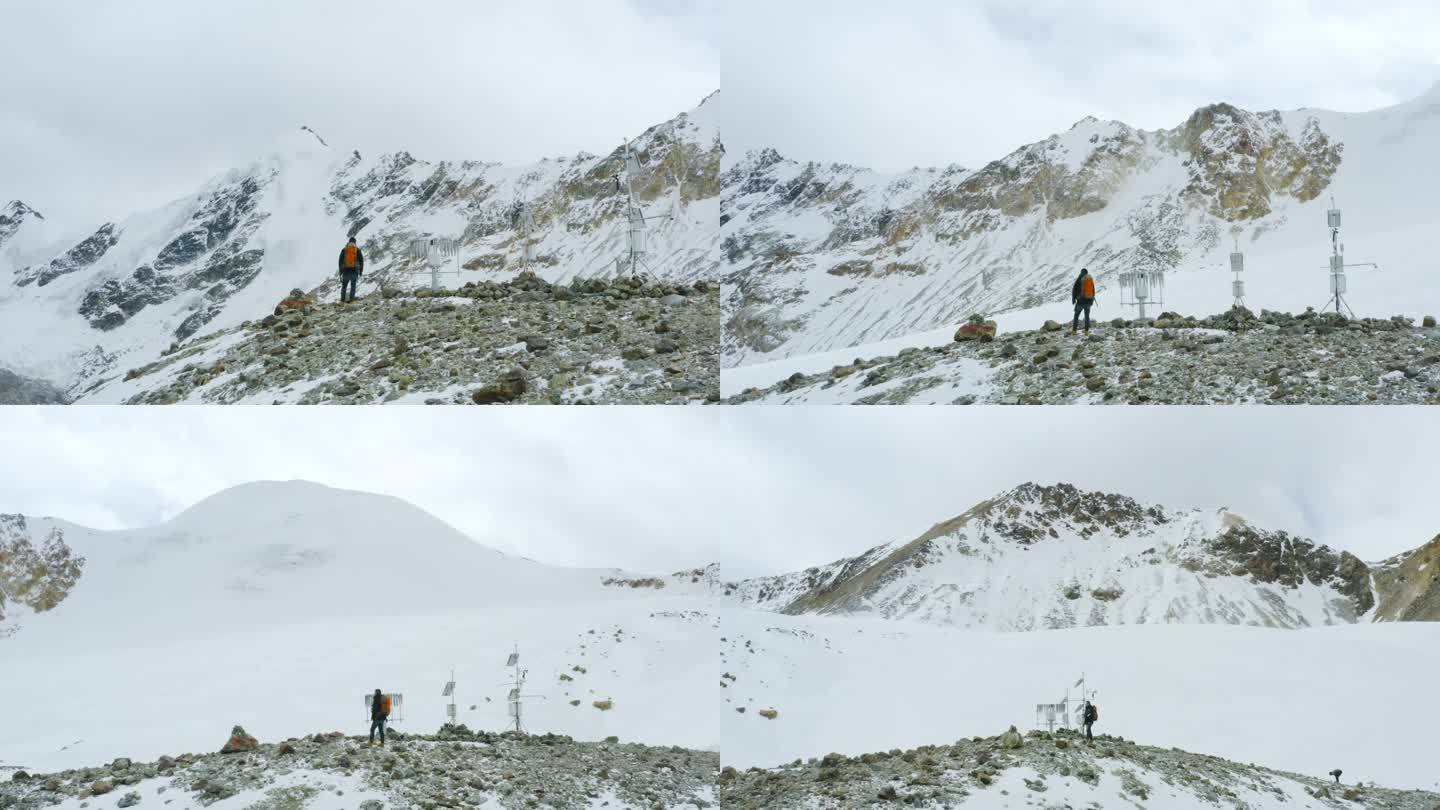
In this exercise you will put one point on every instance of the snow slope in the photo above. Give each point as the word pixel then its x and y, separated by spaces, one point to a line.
pixel 820 257
pixel 1305 701
pixel 279 605
pixel 117 295
pixel 1038 557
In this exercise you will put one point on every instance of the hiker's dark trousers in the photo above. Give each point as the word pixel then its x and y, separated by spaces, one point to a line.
pixel 380 724
pixel 1088 735
pixel 1082 304
pixel 348 280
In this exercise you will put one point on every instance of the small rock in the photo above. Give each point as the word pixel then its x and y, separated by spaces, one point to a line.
pixel 128 800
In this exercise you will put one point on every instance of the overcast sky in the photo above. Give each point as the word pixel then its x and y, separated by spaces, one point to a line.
pixel 113 107
pixel 931 82
pixel 762 490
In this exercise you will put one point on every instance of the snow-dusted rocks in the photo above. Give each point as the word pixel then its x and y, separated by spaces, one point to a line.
pixel 1235 357
pixel 520 341
pixel 1055 769
pixel 454 767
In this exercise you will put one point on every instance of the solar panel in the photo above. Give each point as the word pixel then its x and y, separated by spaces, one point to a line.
pixel 513 659
pixel 449 689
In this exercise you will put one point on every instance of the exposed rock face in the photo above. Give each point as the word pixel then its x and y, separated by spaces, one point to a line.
pixel 1409 585
pixel 77 258
pixel 18 390
pixel 1125 562
pixel 821 256
pixel 209 253
pixel 39 578
pixel 1049 769
pixel 1234 357
pixel 455 767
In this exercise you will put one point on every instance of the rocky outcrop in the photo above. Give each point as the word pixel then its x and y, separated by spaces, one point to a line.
pixel 452 768
pixel 520 341
pixel 37 577
pixel 1234 357
pixel 1043 768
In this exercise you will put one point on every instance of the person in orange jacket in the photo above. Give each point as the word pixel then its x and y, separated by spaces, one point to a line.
pixel 1082 295
pixel 352 264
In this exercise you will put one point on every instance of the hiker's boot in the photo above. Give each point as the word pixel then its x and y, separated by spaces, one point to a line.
pixel 382 743
pixel 370 744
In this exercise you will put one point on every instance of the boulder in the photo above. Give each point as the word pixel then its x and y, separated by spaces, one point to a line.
pixel 983 331
pixel 603 705
pixel 1050 326
pixel 508 387
pixel 768 714
pixel 239 741
pixel 1428 322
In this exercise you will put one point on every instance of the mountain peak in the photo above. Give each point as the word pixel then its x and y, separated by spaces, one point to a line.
pixel 15 209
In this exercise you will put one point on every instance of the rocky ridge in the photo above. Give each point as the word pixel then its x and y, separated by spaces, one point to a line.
pixel 1046 769
pixel 452 768
pixel 1235 357
pixel 1244 574
pixel 524 341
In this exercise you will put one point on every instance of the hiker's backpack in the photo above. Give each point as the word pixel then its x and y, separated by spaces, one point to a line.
pixel 385 706
pixel 1087 287
pixel 348 256
pixel 1094 713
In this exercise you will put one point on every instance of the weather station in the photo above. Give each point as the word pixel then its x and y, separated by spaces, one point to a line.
pixel 635 262
pixel 1237 266
pixel 1338 285
pixel 522 219
pixel 1142 288
pixel 436 252
pixel 1049 716
pixel 516 697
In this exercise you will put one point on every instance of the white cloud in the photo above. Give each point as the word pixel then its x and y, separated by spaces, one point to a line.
pixel 113 107
pixel 932 82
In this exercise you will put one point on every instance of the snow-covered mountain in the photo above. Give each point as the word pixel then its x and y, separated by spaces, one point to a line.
pixel 268 553
pixel 820 257
pixel 1038 557
pixel 118 294
pixel 278 605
